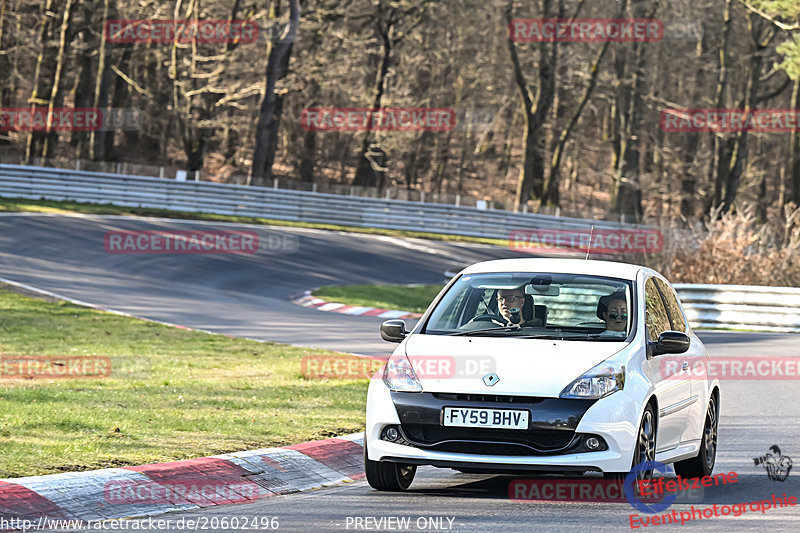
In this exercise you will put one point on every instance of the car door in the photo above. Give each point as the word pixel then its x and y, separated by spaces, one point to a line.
pixel 694 356
pixel 672 383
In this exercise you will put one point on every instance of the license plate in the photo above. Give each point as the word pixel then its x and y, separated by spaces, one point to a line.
pixel 467 417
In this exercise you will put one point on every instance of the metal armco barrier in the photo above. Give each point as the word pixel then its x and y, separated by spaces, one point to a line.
pixel 707 306
pixel 746 307
pixel 18 181
pixel 741 307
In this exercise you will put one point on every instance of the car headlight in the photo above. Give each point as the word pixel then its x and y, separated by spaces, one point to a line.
pixel 399 375
pixel 600 381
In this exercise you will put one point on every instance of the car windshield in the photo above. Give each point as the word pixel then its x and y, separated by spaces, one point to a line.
pixel 535 305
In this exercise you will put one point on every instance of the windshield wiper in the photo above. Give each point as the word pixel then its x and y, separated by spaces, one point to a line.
pixel 574 337
pixel 476 331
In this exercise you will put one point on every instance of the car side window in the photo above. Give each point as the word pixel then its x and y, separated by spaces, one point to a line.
pixel 674 308
pixel 655 317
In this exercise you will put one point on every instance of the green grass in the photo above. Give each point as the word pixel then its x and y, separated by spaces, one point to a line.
pixel 414 299
pixel 47 206
pixel 172 394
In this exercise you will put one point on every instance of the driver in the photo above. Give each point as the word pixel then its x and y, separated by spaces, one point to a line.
pixel 508 299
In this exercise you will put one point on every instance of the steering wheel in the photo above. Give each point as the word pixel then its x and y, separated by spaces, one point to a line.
pixel 487 318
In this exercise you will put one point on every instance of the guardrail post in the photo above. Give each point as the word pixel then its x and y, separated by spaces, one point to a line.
pixel 275 183
pixel 458 200
pixel 313 187
pixel 161 172
pixel 422 196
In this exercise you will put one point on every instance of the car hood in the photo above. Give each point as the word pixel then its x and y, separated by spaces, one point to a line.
pixel 525 367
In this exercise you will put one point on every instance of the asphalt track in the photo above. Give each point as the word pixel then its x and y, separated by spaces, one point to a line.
pixel 235 294
pixel 247 295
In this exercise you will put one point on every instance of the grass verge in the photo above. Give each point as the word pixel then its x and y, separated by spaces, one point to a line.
pixel 413 299
pixel 48 206
pixel 172 394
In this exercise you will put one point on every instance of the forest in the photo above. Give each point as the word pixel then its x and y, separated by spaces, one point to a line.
pixel 641 111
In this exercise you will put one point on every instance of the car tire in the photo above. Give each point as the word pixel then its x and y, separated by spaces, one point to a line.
pixel 385 476
pixel 703 464
pixel 645 449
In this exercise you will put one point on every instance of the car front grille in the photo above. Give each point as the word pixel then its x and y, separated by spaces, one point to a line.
pixel 488 398
pixel 531 442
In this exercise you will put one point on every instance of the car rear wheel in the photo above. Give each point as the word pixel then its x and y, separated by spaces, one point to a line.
pixel 392 477
pixel 644 451
pixel 703 463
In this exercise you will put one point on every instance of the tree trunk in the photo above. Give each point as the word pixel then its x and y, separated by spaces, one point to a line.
pixel 6 91
pixel 731 175
pixel 56 98
pixel 369 173
pixel 35 138
pixel 794 161
pixel 721 148
pixel 626 194
pixel 277 67
pixel 97 142
pixel 536 107
pixel 550 195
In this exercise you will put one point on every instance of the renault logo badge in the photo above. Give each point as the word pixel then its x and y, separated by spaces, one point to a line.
pixel 491 379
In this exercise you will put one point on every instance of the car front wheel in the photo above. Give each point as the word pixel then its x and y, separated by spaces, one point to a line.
pixel 644 451
pixel 392 477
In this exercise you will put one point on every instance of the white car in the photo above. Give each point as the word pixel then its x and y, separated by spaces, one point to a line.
pixel 555 377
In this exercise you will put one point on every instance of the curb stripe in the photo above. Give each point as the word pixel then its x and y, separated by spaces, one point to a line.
pixel 21 502
pixel 135 491
pixel 312 302
pixel 341 455
pixel 203 481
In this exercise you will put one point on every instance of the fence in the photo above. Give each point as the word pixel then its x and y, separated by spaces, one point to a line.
pixel 19 181
pixel 745 307
pixel 775 309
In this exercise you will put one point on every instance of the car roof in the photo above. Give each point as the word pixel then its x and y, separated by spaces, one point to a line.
pixel 555 266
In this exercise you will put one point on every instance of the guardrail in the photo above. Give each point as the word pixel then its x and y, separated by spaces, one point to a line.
pixel 707 306
pixel 18 181
pixel 746 307
pixel 753 308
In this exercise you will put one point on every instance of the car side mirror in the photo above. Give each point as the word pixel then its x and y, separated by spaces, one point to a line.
pixel 670 342
pixel 393 330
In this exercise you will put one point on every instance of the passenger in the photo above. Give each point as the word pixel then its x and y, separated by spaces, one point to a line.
pixel 508 299
pixel 613 309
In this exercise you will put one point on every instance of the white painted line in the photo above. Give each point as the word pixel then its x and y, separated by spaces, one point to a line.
pixel 393 314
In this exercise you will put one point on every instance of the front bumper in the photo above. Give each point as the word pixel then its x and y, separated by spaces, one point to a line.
pixel 553 441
